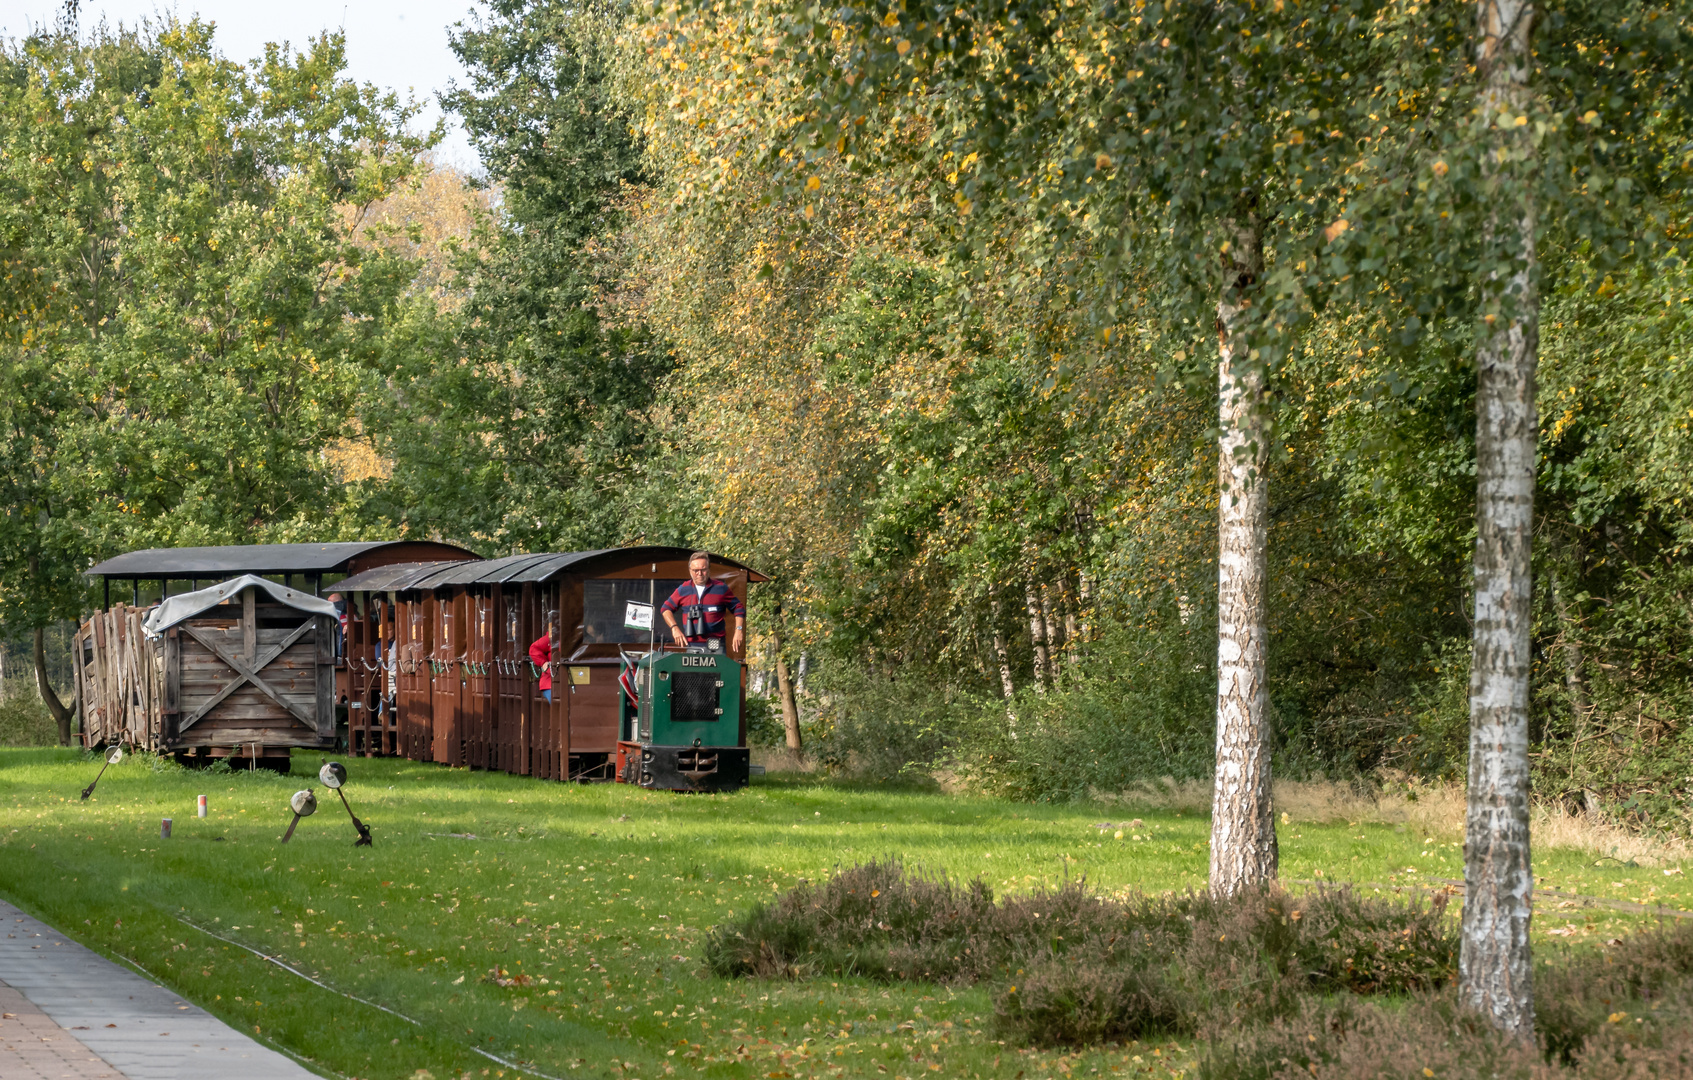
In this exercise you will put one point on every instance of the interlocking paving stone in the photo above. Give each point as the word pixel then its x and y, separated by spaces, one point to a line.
pixel 128 1025
pixel 34 1047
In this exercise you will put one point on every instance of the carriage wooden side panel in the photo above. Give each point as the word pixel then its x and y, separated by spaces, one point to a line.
pixel 413 676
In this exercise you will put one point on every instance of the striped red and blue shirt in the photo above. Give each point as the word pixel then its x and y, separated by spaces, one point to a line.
pixel 717 601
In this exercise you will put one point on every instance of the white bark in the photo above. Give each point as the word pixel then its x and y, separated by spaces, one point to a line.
pixel 1049 619
pixel 1073 631
pixel 1243 835
pixel 1003 656
pixel 1037 636
pixel 1495 965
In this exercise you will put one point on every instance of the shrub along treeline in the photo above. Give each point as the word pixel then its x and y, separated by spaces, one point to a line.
pixel 980 462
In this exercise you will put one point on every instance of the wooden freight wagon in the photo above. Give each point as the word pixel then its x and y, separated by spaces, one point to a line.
pixel 244 665
pixel 273 675
pixel 442 652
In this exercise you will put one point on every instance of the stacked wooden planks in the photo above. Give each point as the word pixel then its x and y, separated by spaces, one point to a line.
pixel 119 679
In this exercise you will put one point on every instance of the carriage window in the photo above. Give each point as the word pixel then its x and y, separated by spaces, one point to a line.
pixel 605 600
pixel 511 622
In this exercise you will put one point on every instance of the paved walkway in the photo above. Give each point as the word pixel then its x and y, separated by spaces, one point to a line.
pixel 66 1011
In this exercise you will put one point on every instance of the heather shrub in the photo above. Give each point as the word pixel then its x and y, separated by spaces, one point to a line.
pixel 874 920
pixel 1212 963
pixel 1616 1014
pixel 1574 1000
pixel 1077 967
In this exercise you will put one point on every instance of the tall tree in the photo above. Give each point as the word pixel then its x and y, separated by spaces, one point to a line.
pixel 60 234
pixel 1495 965
pixel 1194 151
pixel 540 436
pixel 1243 828
pixel 190 323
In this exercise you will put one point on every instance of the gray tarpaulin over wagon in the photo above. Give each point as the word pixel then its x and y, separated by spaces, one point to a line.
pixel 187 605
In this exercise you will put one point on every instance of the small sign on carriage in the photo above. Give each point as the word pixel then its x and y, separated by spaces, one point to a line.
pixel 638 616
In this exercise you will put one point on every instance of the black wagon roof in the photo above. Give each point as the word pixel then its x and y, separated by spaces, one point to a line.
pixel 511 570
pixel 209 562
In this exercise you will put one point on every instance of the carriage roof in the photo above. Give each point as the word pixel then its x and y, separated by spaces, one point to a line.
pixel 225 561
pixel 517 569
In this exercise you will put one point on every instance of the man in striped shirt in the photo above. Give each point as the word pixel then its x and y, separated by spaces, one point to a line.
pixel 704 605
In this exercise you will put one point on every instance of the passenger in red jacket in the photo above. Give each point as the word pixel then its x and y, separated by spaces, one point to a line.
pixel 542 654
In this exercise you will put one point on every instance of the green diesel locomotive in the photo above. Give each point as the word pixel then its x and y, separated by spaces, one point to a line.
pixel 682 727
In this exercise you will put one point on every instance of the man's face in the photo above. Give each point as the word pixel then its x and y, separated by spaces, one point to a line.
pixel 699 571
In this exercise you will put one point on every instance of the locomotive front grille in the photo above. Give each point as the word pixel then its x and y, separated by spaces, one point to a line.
pixel 693 697
pixel 696 763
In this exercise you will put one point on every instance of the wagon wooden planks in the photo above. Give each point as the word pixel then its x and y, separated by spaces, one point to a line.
pixel 246 671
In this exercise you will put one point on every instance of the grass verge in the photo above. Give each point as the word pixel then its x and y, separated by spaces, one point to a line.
pixel 562 927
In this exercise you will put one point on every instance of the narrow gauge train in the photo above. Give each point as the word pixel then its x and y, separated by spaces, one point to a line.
pixel 435 657
pixel 442 662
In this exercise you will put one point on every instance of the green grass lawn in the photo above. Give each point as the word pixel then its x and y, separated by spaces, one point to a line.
pixel 598 897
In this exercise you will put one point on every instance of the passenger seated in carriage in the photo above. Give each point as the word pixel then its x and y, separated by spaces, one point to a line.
pixel 541 653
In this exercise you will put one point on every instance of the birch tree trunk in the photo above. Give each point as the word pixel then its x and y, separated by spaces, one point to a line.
pixel 1072 628
pixel 1049 620
pixel 1243 833
pixel 1037 635
pixel 1495 966
pixel 1003 655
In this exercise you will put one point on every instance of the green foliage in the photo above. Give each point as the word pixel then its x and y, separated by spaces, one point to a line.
pixel 1134 709
pixel 881 727
pixel 764 721
pixel 193 320
pixel 24 719
pixel 538 436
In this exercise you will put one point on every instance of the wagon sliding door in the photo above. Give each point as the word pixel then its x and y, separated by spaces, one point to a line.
pixel 447 682
pixel 250 673
pixel 510 665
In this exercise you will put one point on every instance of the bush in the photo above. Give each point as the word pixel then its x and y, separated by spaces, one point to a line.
pixel 1128 715
pixel 882 727
pixel 24 719
pixel 1624 1012
pixel 764 721
pixel 1077 967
